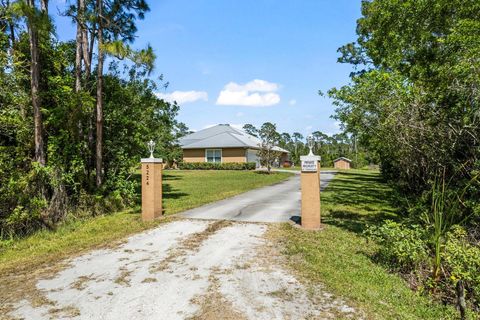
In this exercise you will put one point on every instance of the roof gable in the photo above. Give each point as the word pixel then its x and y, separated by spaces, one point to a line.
pixel 342 158
pixel 221 136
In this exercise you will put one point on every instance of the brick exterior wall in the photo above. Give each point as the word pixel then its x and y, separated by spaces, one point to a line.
pixel 194 155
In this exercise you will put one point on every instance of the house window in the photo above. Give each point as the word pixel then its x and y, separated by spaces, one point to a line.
pixel 213 155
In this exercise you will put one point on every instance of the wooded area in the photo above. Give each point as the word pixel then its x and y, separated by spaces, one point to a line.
pixel 414 102
pixel 329 147
pixel 75 115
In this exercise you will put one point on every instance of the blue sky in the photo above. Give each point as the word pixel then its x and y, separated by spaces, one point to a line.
pixel 248 61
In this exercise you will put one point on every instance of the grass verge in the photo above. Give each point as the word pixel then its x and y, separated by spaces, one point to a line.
pixel 341 258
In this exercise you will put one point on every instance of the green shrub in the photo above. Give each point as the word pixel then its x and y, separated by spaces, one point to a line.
pixel 217 166
pixel 402 248
pixel 408 249
pixel 462 262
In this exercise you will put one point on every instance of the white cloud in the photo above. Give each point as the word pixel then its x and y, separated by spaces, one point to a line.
pixel 239 114
pixel 292 102
pixel 182 97
pixel 256 93
pixel 254 85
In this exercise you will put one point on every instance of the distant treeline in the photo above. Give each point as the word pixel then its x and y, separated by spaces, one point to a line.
pixel 329 147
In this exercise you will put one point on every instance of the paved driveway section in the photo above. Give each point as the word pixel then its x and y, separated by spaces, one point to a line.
pixel 276 203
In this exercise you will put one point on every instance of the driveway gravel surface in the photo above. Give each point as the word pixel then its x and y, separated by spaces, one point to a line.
pixel 192 269
pixel 186 269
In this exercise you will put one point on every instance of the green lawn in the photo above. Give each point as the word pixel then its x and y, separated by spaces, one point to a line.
pixel 341 258
pixel 182 190
pixel 188 189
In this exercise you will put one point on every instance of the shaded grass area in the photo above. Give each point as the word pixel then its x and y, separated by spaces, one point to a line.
pixel 342 259
pixel 182 190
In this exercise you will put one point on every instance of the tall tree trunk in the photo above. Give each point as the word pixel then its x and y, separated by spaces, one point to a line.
pixel 11 27
pixel 43 5
pixel 87 58
pixel 90 46
pixel 99 108
pixel 78 51
pixel 12 35
pixel 86 54
pixel 34 84
pixel 84 39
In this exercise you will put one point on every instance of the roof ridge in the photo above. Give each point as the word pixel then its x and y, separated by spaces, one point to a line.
pixel 242 142
pixel 213 135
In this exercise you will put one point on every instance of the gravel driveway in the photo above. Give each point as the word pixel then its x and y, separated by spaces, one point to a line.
pixel 186 269
pixel 192 269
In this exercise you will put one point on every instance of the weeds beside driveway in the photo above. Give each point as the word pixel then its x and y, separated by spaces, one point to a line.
pixel 340 257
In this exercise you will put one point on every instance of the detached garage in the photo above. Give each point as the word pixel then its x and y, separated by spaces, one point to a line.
pixel 342 163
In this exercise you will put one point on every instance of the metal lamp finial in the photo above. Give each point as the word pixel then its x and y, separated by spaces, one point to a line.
pixel 310 143
pixel 151 147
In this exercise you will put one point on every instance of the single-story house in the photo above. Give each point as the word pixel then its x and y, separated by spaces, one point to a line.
pixel 224 143
pixel 342 163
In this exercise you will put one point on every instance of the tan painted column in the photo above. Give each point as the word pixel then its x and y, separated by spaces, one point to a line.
pixel 310 186
pixel 151 188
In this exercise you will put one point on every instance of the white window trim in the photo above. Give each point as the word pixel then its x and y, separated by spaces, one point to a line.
pixel 221 154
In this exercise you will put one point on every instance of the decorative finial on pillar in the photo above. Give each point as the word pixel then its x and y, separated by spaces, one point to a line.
pixel 151 147
pixel 310 143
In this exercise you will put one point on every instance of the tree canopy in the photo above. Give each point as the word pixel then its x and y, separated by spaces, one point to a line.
pixel 414 102
pixel 54 130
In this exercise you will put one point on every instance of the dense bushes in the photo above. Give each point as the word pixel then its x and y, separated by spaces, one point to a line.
pixel 413 102
pixel 217 166
pixel 33 196
pixel 409 249
pixel 402 248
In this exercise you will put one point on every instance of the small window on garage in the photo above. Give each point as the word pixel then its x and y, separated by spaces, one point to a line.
pixel 213 155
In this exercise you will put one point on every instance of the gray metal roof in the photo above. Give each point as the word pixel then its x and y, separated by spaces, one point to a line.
pixel 222 136
pixel 342 158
